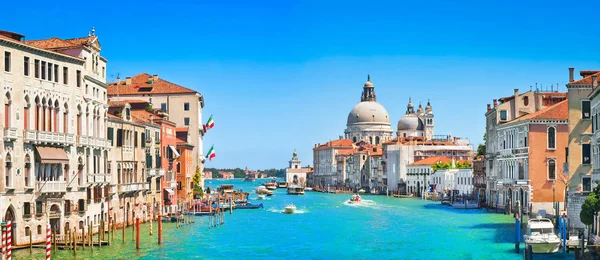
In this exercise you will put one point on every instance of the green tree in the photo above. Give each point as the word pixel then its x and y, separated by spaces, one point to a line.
pixel 590 206
pixel 197 179
pixel 481 148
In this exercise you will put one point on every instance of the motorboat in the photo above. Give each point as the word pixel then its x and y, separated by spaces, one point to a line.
pixel 355 199
pixel 271 185
pixel 261 196
pixel 290 209
pixel 249 178
pixel 249 206
pixel 308 189
pixel 282 185
pixel 361 191
pixel 295 190
pixel 540 235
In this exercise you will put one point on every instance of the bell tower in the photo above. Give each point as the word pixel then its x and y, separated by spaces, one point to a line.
pixel 295 163
pixel 368 91
pixel 429 121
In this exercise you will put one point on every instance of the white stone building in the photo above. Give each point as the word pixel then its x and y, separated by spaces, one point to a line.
pixel 326 164
pixel 419 174
pixel 54 151
pixel 295 173
pixel 454 179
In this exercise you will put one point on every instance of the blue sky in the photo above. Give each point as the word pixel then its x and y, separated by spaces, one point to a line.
pixel 280 76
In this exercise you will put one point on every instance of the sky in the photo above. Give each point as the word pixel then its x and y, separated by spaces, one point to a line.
pixel 280 76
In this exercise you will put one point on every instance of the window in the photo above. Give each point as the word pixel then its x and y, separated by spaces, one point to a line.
pixel 503 115
pixel 186 121
pixel 135 139
pixel 38 208
pixel 65 75
pixel 551 132
pixel 525 141
pixel 186 106
pixel 143 140
pixel 567 154
pixel 79 78
pixel 36 67
pixel 39 229
pixel 110 133
pixel 119 137
pixel 585 154
pixel 49 71
pixel 157 137
pixel 26 66
pixel 587 183
pixel 585 109
pixel 43 70
pixel 551 169
pixel 27 209
pixel 163 107
pixel 525 101
pixel 128 112
pixel 7 61
pixel 56 73
pixel 103 72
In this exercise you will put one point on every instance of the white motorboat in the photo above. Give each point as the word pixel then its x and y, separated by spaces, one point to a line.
pixel 261 196
pixel 308 189
pixel 290 209
pixel 295 190
pixel 355 199
pixel 540 235
pixel 361 191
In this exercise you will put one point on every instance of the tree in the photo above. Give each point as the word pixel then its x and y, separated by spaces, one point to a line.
pixel 481 148
pixel 590 206
pixel 197 179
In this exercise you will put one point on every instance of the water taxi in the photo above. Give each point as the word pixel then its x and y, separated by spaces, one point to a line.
pixel 272 185
pixel 355 199
pixel 290 209
pixel 295 190
pixel 540 235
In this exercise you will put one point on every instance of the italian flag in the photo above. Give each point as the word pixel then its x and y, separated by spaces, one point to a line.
pixel 211 153
pixel 211 123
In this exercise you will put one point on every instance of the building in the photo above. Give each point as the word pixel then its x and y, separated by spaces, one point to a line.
pixel 419 173
pixel 479 181
pixel 226 175
pixel 183 105
pixel 418 123
pixel 399 152
pixel 295 173
pixel 207 175
pixel 185 167
pixel 453 179
pixel 581 151
pixel 525 133
pixel 368 120
pixel 54 151
pixel 325 163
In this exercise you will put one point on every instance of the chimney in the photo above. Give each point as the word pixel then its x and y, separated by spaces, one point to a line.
pixel 118 81
pixel 594 81
pixel 489 107
pixel 571 70
pixel 495 103
pixel 128 81
pixel 155 77
pixel 151 119
pixel 516 99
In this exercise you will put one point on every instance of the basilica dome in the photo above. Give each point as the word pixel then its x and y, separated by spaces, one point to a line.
pixel 410 122
pixel 368 112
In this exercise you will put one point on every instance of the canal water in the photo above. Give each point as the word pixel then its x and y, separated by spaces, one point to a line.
pixel 326 227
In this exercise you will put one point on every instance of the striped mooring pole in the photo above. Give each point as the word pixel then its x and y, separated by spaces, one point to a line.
pixel 9 240
pixel 48 242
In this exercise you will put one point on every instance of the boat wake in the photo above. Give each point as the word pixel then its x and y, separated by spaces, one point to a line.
pixel 362 203
pixel 298 211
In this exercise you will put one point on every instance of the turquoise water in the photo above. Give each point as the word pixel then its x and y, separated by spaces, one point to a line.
pixel 327 228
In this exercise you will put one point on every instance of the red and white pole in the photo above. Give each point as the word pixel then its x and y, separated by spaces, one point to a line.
pixel 3 243
pixel 9 241
pixel 48 242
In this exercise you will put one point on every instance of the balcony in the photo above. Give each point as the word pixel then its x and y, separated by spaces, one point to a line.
pixel 154 172
pixel 131 187
pixel 51 186
pixel 520 152
pixel 173 185
pixel 51 137
pixel 10 133
pixel 82 140
pixel 29 135
pixel 98 178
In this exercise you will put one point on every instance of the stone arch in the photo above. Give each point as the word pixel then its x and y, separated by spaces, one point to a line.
pixel 9 215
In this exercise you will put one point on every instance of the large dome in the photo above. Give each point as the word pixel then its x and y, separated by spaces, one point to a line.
pixel 368 112
pixel 410 122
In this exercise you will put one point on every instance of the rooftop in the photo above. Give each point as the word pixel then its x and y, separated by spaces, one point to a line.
pixel 432 160
pixel 145 83
pixel 558 111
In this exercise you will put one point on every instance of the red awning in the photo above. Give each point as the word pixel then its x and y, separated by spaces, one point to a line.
pixel 52 155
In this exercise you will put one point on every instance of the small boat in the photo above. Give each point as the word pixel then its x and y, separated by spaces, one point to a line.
pixel 271 185
pixel 290 209
pixel 308 189
pixel 355 199
pixel 295 190
pixel 249 179
pixel 361 191
pixel 249 206
pixel 261 196
pixel 282 185
pixel 540 235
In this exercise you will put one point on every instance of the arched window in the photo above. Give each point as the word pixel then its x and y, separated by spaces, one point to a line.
pixel 525 101
pixel 7 112
pixel 8 171
pixel 551 137
pixel 377 140
pixel 552 169
pixel 28 171
pixel 26 113
pixel 354 139
pixel 370 139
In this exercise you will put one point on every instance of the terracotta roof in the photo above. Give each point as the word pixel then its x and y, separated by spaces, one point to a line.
pixel 546 94
pixel 587 77
pixel 119 103
pixel 57 43
pixel 432 160
pixel 139 85
pixel 558 111
pixel 339 142
pixel 113 116
pixel 182 129
pixel 345 152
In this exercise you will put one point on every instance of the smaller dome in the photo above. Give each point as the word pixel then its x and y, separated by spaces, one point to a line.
pixel 295 154
pixel 428 107
pixel 410 122
pixel 420 109
pixel 368 84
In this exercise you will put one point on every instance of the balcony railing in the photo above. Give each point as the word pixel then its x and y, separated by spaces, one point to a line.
pixel 132 187
pixel 10 133
pixel 154 172
pixel 29 135
pixel 82 140
pixel 522 151
pixel 51 186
